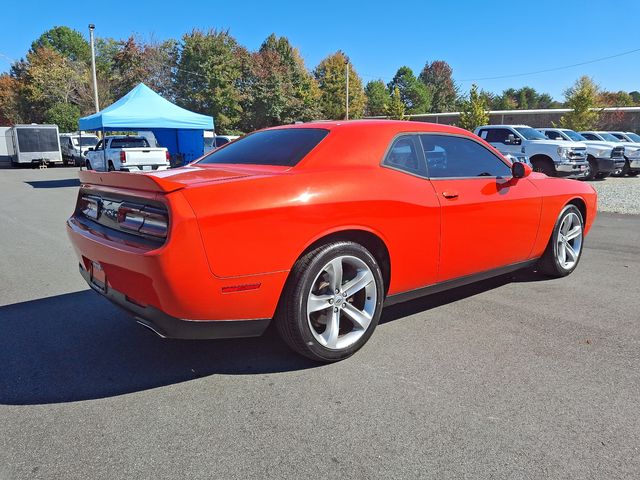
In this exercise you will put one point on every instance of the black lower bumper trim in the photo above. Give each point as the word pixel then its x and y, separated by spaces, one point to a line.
pixel 167 326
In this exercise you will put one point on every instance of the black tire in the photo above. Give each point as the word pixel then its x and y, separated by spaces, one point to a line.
pixel 111 168
pixel 291 317
pixel 549 263
pixel 593 169
pixel 626 168
pixel 544 165
pixel 633 173
pixel 88 165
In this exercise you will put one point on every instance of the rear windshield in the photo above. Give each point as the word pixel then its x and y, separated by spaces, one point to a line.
pixel 129 143
pixel 283 147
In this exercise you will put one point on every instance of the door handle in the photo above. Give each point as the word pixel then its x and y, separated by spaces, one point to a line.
pixel 450 194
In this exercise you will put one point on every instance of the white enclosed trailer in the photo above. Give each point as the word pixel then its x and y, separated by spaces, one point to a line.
pixel 5 137
pixel 34 144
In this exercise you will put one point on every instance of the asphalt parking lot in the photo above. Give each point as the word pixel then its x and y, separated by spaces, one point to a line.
pixel 516 377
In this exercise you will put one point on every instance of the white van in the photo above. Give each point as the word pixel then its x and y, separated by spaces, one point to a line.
pixel 74 147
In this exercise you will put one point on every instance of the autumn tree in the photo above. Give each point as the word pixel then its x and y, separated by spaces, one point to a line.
pixel 150 63
pixel 332 80
pixel 414 94
pixel 209 75
pixel 581 98
pixel 438 78
pixel 474 111
pixel 9 100
pixel 277 87
pixel 377 98
pixel 394 109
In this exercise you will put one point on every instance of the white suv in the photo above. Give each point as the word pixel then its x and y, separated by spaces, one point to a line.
pixel 631 149
pixel 552 157
pixel 604 157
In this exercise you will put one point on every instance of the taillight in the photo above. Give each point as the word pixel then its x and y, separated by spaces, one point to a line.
pixel 123 156
pixel 167 156
pixel 90 206
pixel 143 219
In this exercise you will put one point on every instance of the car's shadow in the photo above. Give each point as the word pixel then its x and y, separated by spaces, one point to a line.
pixel 62 183
pixel 78 346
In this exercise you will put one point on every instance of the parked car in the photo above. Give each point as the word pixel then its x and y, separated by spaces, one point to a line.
pixel 74 147
pixel 127 154
pixel 318 226
pixel 604 157
pixel 631 151
pixel 33 144
pixel 551 157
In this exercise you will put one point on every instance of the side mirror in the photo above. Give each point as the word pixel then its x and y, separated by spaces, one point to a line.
pixel 520 170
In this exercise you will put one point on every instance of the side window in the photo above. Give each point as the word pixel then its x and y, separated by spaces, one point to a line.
pixel 451 157
pixel 404 155
pixel 497 135
pixel 550 134
pixel 589 136
pixel 619 137
pixel 99 145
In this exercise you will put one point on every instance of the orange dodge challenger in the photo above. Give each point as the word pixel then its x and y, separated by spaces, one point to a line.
pixel 318 226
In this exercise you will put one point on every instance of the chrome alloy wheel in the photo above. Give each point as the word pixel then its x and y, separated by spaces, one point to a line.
pixel 342 302
pixel 569 241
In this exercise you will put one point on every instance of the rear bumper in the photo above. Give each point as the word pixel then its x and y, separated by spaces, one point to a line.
pixel 167 326
pixel 143 168
pixel 174 278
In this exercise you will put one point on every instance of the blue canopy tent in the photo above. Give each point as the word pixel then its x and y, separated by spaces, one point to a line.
pixel 177 129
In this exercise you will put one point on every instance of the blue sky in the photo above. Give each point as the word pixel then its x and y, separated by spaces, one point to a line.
pixel 478 38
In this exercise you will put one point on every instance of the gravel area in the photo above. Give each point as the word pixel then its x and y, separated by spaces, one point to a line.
pixel 618 194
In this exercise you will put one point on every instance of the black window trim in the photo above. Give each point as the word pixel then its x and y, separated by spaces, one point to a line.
pixel 422 154
pixel 419 150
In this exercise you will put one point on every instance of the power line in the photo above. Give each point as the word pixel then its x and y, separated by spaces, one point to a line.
pixel 555 69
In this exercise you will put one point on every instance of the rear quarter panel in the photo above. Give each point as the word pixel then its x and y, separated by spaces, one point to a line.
pixel 260 225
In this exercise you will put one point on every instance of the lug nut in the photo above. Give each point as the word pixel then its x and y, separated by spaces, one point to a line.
pixel 344 294
pixel 335 309
pixel 337 291
pixel 330 301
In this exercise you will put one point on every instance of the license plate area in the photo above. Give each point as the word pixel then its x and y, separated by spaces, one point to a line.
pixel 97 277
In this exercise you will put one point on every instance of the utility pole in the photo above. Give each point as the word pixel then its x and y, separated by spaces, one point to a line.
pixel 346 64
pixel 93 67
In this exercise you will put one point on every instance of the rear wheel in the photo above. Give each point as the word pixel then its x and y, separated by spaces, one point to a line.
pixel 633 174
pixel 111 168
pixel 565 245
pixel 332 302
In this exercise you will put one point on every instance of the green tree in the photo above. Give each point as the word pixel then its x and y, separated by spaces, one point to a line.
pixel 581 98
pixel 277 87
pixel 67 42
pixel 523 98
pixel 474 111
pixel 65 115
pixel 438 78
pixel 415 95
pixel 331 76
pixel 635 96
pixel 209 76
pixel 377 98
pixel 395 107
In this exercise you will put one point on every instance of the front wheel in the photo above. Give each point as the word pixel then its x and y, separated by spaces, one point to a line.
pixel 332 302
pixel 545 166
pixel 592 169
pixel 565 245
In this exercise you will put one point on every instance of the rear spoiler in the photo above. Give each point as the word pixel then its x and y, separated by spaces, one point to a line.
pixel 132 181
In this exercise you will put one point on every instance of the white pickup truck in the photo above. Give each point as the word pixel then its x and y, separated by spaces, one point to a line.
pixel 631 148
pixel 605 158
pixel 551 157
pixel 126 154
